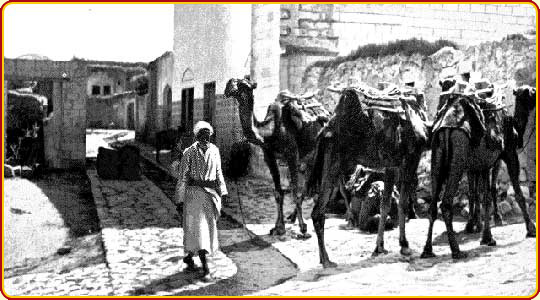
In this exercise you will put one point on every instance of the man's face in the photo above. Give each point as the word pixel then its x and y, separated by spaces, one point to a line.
pixel 203 136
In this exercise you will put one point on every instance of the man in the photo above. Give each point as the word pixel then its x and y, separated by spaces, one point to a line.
pixel 200 187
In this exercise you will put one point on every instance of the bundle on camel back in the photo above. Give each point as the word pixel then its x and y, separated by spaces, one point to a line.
pixel 479 101
pixel 299 110
pixel 382 130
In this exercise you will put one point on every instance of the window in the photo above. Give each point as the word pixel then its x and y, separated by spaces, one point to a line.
pixel 96 90
pixel 106 90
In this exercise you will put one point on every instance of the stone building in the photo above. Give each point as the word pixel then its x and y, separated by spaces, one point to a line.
pixel 68 87
pixel 276 43
pixel 159 112
pixel 111 95
pixel 216 42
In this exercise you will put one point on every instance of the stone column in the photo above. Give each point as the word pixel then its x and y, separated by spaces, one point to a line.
pixel 265 55
pixel 52 129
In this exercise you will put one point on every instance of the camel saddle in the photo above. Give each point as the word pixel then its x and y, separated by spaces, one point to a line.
pixel 405 103
pixel 484 108
pixel 301 109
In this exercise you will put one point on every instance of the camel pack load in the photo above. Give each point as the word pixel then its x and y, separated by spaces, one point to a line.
pixel 406 103
pixel 303 108
pixel 484 107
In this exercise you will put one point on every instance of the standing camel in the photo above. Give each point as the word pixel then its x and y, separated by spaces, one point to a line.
pixel 276 135
pixel 455 150
pixel 376 138
pixel 525 97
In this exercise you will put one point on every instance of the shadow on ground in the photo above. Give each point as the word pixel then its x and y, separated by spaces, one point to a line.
pixel 251 256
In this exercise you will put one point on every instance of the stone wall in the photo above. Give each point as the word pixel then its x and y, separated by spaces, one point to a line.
pixel 507 64
pixel 341 28
pixel 265 55
pixel 64 132
pixel 164 83
pixel 109 112
pixel 510 63
pixel 160 75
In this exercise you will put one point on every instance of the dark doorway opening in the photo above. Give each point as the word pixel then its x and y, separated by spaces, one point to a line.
pixel 187 109
pixel 131 116
pixel 167 119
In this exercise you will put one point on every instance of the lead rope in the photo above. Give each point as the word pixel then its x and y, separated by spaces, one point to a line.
pixel 249 233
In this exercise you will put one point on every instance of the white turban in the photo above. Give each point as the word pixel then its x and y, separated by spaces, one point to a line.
pixel 202 125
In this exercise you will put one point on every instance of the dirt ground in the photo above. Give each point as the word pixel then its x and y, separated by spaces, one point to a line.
pixel 50 224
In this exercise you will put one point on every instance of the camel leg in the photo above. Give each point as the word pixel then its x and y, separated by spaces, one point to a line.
pixel 493 192
pixel 433 212
pixel 446 208
pixel 512 164
pixel 473 224
pixel 437 180
pixel 292 161
pixel 347 197
pixel 389 181
pixel 407 184
pixel 317 215
pixel 271 161
pixel 483 188
pixel 413 198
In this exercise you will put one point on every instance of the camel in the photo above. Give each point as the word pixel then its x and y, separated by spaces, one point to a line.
pixel 515 125
pixel 376 139
pixel 455 152
pixel 278 135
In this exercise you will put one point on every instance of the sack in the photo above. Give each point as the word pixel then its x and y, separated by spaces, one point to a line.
pixel 130 168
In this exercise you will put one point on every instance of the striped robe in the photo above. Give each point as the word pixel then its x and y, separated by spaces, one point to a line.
pixel 201 204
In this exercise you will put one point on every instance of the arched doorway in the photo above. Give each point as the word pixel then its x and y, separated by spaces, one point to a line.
pixel 167 114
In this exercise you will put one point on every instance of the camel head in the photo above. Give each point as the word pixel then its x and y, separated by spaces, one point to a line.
pixel 242 91
pixel 240 88
pixel 525 102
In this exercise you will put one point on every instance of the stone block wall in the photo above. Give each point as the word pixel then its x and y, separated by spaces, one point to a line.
pixel 265 61
pixel 107 112
pixel 65 130
pixel 507 64
pixel 314 29
pixel 229 130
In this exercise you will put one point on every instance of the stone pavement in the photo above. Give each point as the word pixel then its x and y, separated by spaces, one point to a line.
pixel 142 238
pixel 508 269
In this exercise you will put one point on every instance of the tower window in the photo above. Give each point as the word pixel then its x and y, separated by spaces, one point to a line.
pixel 96 90
pixel 106 90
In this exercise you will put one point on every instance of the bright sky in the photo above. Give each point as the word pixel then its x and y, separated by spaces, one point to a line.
pixel 117 32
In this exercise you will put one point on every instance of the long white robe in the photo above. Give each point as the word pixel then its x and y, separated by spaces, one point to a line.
pixel 201 204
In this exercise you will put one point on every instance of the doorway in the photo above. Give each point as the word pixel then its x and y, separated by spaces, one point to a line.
pixel 187 109
pixel 167 118
pixel 131 116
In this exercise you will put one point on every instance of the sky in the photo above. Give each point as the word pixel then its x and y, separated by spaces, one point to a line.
pixel 115 32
